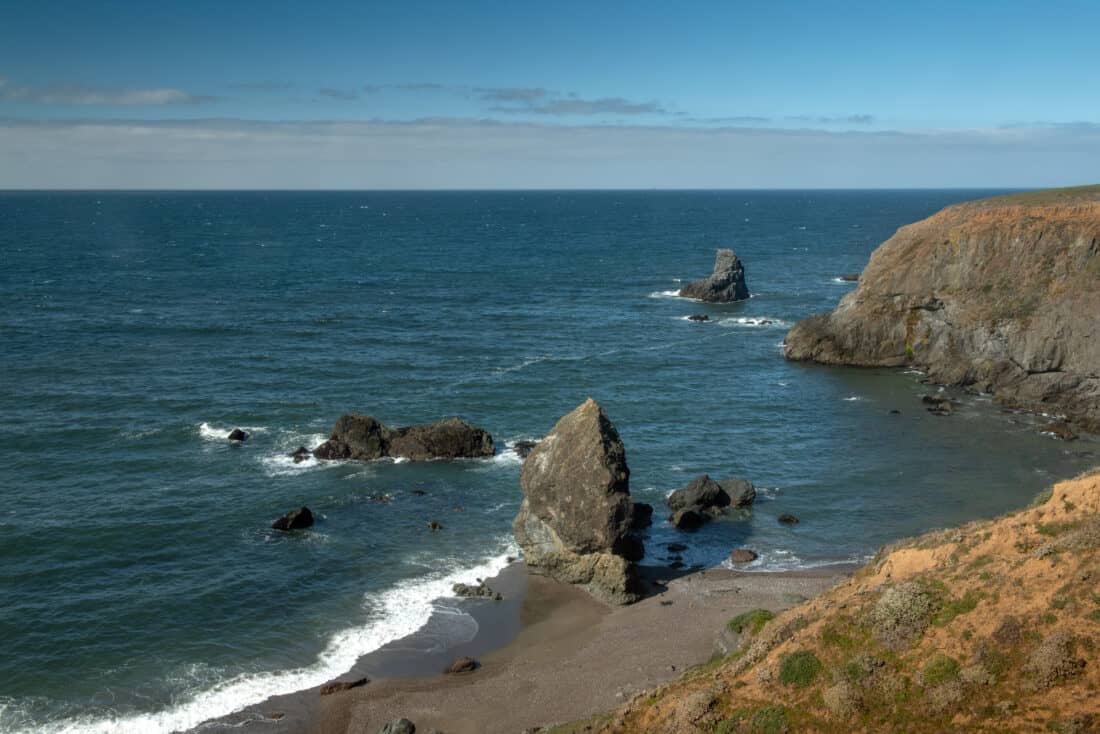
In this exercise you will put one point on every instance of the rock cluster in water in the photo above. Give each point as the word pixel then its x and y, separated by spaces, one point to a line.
pixel 705 498
pixel 576 518
pixel 999 296
pixel 724 285
pixel 363 438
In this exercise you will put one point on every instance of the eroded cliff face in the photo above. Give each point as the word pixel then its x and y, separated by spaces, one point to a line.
pixel 1001 295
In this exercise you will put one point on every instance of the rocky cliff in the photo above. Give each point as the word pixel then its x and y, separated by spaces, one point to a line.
pixel 991 627
pixel 1000 295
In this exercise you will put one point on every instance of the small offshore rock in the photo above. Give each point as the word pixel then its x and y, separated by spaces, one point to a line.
pixel 435 525
pixel 1060 430
pixel 850 277
pixel 417 493
pixel 481 591
pixel 676 547
pixel 937 405
pixel 294 520
pixel 301 454
pixel 743 555
pixel 238 435
pixel 788 519
pixel 700 494
pixel 398 726
pixel 462 665
pixel 698 317
pixel 524 448
pixel 342 685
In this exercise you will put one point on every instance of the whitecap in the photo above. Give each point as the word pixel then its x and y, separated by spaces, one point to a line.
pixel 854 399
pixel 666 294
pixel 400 611
pixel 401 460
pixel 762 322
pixel 842 281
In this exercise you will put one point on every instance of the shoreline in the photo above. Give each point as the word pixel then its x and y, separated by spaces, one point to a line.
pixel 531 636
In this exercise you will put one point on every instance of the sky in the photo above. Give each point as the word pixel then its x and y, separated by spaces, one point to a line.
pixel 503 95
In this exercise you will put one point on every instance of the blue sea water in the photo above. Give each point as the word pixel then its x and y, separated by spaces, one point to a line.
pixel 142 588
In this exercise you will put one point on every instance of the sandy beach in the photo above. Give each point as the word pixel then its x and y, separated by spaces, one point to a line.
pixel 571 657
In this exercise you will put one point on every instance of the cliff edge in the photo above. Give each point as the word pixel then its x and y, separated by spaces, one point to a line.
pixel 1000 295
pixel 991 627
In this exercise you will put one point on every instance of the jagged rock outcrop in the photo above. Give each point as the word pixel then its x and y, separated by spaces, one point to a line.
pixel 704 498
pixel 575 521
pixel 294 520
pixel 363 438
pixel 999 295
pixel 725 284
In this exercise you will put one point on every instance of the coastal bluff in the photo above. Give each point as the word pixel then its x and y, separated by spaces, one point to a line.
pixel 1000 295
pixel 576 518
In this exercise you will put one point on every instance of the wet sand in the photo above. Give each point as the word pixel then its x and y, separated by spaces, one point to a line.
pixel 569 656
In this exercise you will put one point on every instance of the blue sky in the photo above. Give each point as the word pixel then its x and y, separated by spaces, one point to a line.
pixel 563 94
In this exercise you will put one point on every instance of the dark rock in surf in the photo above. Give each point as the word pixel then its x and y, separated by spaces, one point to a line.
pixel 462 665
pixel 435 525
pixel 641 516
pixel 701 493
pixel 342 685
pixel 850 277
pixel 524 448
pixel 788 519
pixel 676 547
pixel 724 285
pixel 364 438
pixel 294 520
pixel 1060 430
pixel 238 435
pixel 481 591
pixel 741 492
pixel 688 519
pixel 301 454
pixel 698 317
pixel 937 405
pixel 743 555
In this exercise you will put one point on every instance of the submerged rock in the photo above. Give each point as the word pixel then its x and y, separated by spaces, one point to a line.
pixel 575 521
pixel 294 520
pixel 698 317
pixel 238 435
pixel 342 685
pixel 301 454
pixel 1060 430
pixel 364 438
pixel 788 519
pixel 524 448
pixel 641 516
pixel 725 284
pixel 688 519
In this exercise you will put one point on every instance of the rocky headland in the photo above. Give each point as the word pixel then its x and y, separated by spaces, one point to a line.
pixel 998 295
pixel 576 520
pixel 724 285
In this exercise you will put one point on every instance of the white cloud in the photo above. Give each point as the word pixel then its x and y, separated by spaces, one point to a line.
pixel 461 153
pixel 85 95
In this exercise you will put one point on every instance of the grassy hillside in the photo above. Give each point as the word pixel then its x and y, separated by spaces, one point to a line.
pixel 991 627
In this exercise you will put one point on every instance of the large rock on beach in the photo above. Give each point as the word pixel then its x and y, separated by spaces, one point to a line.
pixel 364 438
pixel 575 521
pixel 724 285
pixel 998 296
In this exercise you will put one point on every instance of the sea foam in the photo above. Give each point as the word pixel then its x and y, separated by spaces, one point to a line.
pixel 400 611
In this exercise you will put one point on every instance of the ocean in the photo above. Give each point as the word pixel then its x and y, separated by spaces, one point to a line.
pixel 143 589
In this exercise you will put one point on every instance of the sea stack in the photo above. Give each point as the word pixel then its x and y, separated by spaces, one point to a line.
pixel 999 295
pixel 575 521
pixel 725 285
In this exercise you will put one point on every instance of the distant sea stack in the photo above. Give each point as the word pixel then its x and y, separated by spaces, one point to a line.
pixel 575 521
pixel 1000 295
pixel 725 285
